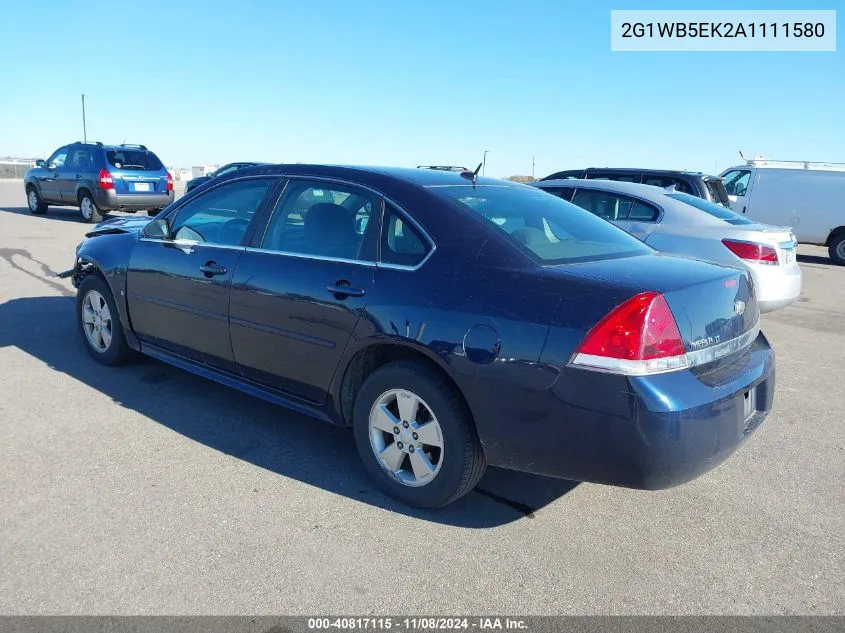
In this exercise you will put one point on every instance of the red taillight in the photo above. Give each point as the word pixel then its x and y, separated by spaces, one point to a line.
pixel 169 182
pixel 752 252
pixel 106 181
pixel 638 337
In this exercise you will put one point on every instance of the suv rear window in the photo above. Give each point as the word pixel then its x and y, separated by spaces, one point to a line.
pixel 553 230
pixel 713 209
pixel 716 187
pixel 133 159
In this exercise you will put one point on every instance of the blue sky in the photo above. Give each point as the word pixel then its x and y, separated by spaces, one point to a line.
pixel 405 82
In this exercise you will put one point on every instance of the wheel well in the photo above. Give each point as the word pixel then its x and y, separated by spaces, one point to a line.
pixel 369 360
pixel 85 268
pixel 29 186
pixel 81 191
pixel 834 233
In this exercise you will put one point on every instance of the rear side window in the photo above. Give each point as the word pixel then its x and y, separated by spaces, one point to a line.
pixel 551 230
pixel 713 209
pixel 667 181
pixel 606 205
pixel 401 243
pixel 133 159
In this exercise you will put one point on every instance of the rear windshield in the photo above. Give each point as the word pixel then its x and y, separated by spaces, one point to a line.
pixel 133 159
pixel 716 186
pixel 554 231
pixel 713 209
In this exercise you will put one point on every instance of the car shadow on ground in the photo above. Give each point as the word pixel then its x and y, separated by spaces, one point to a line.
pixel 62 214
pixel 250 429
pixel 814 259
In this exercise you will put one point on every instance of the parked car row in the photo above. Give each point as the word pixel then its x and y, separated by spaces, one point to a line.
pixel 452 321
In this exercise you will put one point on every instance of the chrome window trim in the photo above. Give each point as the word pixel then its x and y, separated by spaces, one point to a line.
pixel 189 244
pixel 342 260
pixel 380 195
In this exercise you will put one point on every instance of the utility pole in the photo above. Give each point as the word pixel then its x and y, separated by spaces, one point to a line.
pixel 84 129
pixel 484 163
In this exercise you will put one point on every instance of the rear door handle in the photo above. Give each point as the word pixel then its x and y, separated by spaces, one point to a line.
pixel 341 290
pixel 210 269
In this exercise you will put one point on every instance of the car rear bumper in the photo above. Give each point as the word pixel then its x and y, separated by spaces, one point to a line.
pixel 109 200
pixel 638 432
pixel 776 286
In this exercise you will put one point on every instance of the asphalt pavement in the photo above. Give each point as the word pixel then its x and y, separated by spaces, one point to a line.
pixel 147 490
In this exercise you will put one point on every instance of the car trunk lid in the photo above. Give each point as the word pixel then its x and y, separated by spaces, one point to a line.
pixel 712 305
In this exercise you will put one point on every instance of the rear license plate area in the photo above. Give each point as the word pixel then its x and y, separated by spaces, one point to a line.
pixel 789 256
pixel 141 186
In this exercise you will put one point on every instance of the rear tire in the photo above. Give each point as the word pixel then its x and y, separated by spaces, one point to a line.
pixel 454 468
pixel 33 200
pixel 99 323
pixel 153 212
pixel 836 249
pixel 88 209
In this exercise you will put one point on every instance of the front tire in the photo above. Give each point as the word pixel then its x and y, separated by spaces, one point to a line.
pixel 836 249
pixel 99 323
pixel 88 209
pixel 33 200
pixel 416 436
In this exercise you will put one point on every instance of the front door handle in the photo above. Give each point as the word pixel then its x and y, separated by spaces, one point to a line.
pixel 78 176
pixel 342 289
pixel 210 269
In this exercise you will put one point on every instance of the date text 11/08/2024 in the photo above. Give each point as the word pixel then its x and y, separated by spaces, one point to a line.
pixel 418 623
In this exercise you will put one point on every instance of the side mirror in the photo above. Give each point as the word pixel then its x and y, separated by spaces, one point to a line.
pixel 40 163
pixel 158 229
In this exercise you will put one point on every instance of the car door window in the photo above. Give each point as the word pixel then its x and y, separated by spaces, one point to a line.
pixel 667 181
pixel 403 245
pixel 736 181
pixel 227 169
pixel 80 160
pixel 604 204
pixel 57 160
pixel 561 192
pixel 612 175
pixel 223 214
pixel 323 219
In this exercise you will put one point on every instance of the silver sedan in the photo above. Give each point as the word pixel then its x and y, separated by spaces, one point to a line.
pixel 682 224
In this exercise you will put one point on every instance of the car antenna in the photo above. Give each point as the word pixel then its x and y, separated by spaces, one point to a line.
pixel 472 175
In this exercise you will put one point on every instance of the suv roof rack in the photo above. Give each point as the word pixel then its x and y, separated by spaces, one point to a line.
pixel 761 161
pixel 143 147
pixel 97 143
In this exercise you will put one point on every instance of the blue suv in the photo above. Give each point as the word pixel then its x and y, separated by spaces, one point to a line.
pixel 99 178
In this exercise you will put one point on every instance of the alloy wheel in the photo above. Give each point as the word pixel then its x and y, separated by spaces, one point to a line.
pixel 97 321
pixel 406 437
pixel 32 199
pixel 86 207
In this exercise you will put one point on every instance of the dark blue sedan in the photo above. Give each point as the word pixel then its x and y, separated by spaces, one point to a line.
pixel 452 321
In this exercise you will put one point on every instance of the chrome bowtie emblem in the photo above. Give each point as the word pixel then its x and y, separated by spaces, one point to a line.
pixel 739 307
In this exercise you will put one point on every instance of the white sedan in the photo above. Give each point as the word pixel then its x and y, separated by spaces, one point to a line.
pixel 682 224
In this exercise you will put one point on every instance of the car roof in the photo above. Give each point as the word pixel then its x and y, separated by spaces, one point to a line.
pixel 635 170
pixel 421 177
